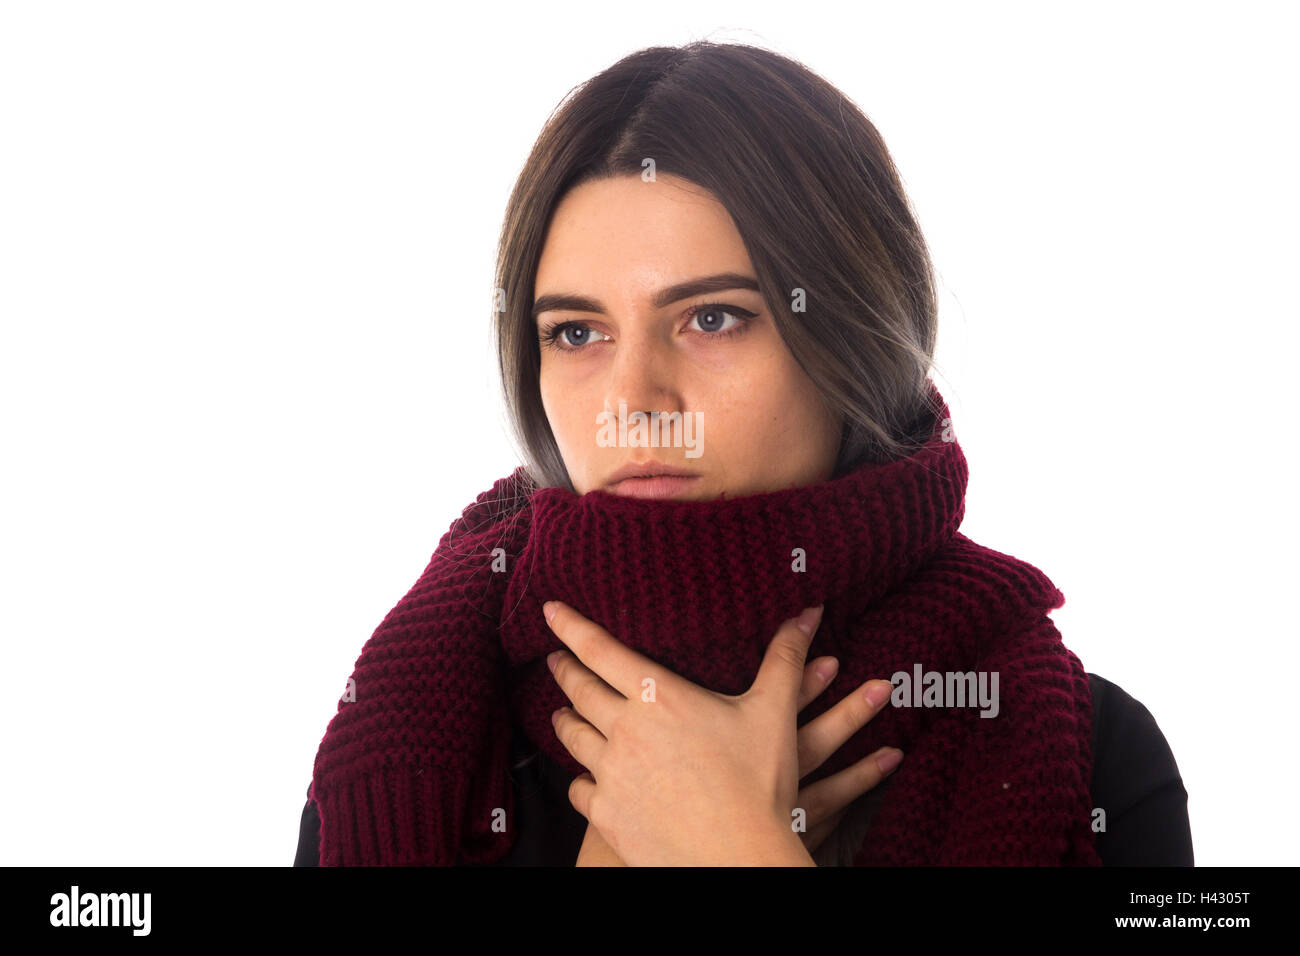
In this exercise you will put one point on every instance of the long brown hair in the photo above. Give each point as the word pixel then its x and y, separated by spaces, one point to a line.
pixel 817 201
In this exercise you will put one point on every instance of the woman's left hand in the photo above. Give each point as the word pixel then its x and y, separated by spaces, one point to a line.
pixel 680 775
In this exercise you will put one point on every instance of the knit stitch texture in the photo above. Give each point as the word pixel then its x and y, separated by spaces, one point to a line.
pixel 414 769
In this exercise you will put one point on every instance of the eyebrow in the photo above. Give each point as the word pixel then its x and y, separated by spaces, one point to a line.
pixel 570 302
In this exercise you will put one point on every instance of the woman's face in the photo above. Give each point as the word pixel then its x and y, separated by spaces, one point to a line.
pixel 735 410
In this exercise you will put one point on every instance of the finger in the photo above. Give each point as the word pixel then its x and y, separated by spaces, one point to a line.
pixel 579 738
pixel 817 676
pixel 826 733
pixel 826 797
pixel 781 672
pixel 609 658
pixel 580 792
pixel 818 832
pixel 590 696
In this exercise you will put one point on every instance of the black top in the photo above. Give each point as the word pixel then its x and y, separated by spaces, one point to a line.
pixel 1135 780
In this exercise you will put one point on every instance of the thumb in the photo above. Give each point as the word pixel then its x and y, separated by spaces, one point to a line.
pixel 782 669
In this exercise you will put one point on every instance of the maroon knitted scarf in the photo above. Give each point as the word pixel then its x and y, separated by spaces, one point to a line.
pixel 414 766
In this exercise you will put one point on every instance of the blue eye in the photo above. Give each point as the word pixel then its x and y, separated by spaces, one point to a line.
pixel 557 337
pixel 699 314
pixel 553 335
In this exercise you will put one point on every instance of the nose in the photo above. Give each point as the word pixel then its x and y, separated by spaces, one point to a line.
pixel 643 378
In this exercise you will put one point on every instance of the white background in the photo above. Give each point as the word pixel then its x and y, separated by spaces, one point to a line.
pixel 246 379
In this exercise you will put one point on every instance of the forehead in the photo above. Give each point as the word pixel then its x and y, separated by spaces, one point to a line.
pixel 625 234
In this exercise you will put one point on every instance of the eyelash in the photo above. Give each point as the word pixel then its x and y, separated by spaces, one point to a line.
pixel 552 335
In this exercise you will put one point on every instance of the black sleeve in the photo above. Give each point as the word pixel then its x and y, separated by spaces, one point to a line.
pixel 308 835
pixel 1135 780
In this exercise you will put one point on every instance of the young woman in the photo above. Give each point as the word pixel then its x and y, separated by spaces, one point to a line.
pixel 716 318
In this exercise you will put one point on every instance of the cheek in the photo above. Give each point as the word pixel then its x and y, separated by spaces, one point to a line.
pixel 566 410
pixel 557 394
pixel 773 392
pixel 789 406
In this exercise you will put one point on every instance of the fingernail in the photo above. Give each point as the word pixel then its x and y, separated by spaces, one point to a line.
pixel 551 658
pixel 807 621
pixel 826 670
pixel 877 693
pixel 549 610
pixel 889 760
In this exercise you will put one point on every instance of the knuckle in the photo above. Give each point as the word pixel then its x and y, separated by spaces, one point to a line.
pixel 860 713
pixel 791 654
pixel 851 714
pixel 562 665
pixel 580 694
pixel 617 728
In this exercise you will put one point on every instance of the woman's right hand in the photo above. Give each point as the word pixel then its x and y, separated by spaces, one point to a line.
pixel 825 801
